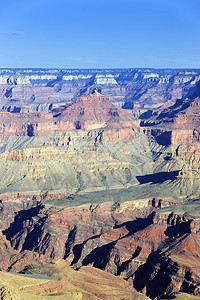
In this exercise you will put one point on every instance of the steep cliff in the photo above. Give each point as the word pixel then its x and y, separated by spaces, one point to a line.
pixel 135 240
pixel 178 123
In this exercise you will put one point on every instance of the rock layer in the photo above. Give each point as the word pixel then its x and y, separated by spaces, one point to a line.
pixel 87 112
pixel 179 123
pixel 59 281
pixel 137 241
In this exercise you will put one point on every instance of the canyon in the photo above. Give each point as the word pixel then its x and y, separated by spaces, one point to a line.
pixel 95 195
pixel 41 90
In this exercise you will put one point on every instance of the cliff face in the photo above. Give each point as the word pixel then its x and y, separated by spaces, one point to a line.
pixel 181 121
pixel 155 88
pixel 87 112
pixel 39 90
pixel 131 240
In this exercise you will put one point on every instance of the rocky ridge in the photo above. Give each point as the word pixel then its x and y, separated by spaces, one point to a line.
pixel 137 241
pixel 58 281
pixel 177 124
pixel 39 90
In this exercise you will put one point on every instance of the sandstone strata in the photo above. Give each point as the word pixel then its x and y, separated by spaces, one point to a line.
pixel 177 124
pixel 87 112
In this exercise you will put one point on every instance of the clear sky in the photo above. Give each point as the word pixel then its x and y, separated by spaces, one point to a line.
pixel 100 33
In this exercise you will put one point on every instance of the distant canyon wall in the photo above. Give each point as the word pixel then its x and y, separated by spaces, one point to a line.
pixel 41 90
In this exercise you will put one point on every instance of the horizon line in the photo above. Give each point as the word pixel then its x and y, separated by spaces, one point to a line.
pixel 116 68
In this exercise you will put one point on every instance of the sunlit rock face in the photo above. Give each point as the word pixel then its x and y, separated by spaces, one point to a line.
pixel 87 112
pixel 181 120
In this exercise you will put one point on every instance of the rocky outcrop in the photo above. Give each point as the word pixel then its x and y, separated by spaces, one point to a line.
pixel 96 110
pixel 87 112
pixel 179 123
pixel 153 88
pixel 59 281
pixel 166 136
pixel 136 242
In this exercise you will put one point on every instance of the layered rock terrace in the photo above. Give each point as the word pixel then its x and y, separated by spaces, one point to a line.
pixel 87 112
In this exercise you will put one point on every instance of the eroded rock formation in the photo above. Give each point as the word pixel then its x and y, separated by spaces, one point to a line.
pixel 87 112
pixel 138 241
pixel 88 185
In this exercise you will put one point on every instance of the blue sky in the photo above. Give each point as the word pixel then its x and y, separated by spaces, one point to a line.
pixel 100 33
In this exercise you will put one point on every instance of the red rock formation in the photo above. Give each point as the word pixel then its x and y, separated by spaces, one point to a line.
pixel 87 112
pixel 123 239
pixel 95 110
pixel 182 120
